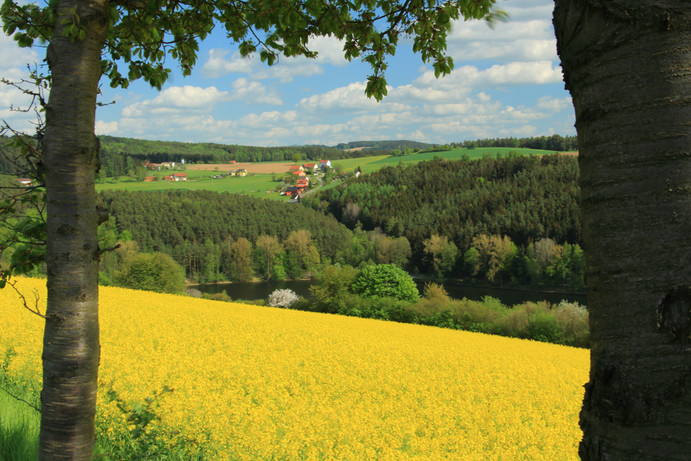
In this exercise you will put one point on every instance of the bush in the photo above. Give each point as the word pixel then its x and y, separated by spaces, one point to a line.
pixel 333 288
pixel 435 300
pixel 385 280
pixel 573 321
pixel 283 298
pixel 152 272
pixel 544 327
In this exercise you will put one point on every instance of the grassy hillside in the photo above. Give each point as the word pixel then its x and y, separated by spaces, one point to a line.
pixel 258 184
pixel 258 383
pixel 375 163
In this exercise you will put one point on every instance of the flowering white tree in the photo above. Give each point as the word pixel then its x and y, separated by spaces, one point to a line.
pixel 283 298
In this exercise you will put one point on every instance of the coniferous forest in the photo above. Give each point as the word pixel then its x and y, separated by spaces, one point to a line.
pixel 507 220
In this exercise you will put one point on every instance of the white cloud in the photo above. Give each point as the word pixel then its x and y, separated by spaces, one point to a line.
pixel 350 98
pixel 329 49
pixel 254 92
pixel 528 34
pixel 513 73
pixel 217 65
pixel 13 67
pixel 106 127
pixel 176 99
pixel 552 104
pixel 189 97
pixel 15 59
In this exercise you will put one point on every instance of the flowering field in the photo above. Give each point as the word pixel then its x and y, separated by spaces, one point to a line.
pixel 267 383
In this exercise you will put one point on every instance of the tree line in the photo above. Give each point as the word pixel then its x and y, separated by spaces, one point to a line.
pixel 555 143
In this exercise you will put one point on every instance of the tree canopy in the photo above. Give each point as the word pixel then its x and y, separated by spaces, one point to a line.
pixel 141 36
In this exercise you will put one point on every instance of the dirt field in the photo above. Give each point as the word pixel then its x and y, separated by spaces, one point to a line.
pixel 250 167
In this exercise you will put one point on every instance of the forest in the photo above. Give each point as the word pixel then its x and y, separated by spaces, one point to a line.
pixel 503 221
pixel 523 198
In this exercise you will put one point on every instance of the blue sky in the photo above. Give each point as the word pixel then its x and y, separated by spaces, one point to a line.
pixel 507 83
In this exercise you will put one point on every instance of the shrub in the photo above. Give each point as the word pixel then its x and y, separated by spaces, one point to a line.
pixel 544 327
pixel 435 300
pixel 283 298
pixel 385 280
pixel 152 272
pixel 573 321
pixel 477 316
pixel 222 296
pixel 333 288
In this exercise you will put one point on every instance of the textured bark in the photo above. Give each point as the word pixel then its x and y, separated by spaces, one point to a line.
pixel 71 349
pixel 627 65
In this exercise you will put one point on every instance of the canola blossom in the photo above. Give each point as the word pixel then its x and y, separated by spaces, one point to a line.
pixel 260 383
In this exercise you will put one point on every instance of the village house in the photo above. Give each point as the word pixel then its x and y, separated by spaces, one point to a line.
pixel 241 172
pixel 324 164
pixel 26 182
pixel 158 166
pixel 292 191
pixel 310 166
pixel 176 177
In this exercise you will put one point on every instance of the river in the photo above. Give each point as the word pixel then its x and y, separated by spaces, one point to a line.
pixel 509 297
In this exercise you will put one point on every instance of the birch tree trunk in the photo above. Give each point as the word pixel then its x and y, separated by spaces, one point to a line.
pixel 627 65
pixel 71 348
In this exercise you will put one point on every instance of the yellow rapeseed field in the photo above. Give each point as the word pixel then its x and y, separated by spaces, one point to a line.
pixel 263 383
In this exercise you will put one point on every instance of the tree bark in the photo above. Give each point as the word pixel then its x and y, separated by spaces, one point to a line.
pixel 71 349
pixel 627 65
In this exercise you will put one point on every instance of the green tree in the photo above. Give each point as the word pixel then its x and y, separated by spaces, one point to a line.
pixel 333 287
pixel 241 260
pixel 442 253
pixel 386 280
pixel 152 272
pixel 494 253
pixel 270 250
pixel 302 256
pixel 633 140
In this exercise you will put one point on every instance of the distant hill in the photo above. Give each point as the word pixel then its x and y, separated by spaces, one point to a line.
pixel 384 145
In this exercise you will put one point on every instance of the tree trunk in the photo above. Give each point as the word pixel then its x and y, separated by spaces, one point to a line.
pixel 627 65
pixel 71 348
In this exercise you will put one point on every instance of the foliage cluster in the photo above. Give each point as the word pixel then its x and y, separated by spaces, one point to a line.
pixel 385 281
pixel 152 272
pixel 340 290
pixel 555 143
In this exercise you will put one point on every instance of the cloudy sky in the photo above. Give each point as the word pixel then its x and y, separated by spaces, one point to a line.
pixel 507 82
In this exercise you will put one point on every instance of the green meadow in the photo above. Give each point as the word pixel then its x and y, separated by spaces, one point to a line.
pixel 264 185
pixel 256 185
